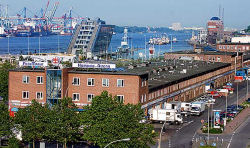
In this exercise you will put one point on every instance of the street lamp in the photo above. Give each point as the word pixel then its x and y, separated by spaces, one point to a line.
pixel 127 139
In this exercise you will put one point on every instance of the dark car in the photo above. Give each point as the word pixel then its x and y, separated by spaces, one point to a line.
pixel 229 115
pixel 248 100
pixel 235 107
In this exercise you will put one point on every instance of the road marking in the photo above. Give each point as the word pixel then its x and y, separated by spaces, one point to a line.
pixel 194 136
pixel 230 140
pixel 169 143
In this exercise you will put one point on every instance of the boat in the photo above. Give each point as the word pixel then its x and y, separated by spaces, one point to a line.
pixel 159 40
pixel 2 32
pixel 174 39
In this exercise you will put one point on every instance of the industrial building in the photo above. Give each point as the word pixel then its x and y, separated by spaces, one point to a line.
pixel 209 56
pixel 215 30
pixel 91 38
pixel 233 47
pixel 151 84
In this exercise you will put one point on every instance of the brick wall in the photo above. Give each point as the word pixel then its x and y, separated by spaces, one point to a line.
pixel 132 89
pixel 16 86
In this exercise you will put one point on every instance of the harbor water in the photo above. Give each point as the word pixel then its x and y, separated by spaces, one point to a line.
pixel 54 44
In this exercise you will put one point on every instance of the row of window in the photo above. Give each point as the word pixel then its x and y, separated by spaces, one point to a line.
pixel 76 97
pixel 91 82
pixel 233 47
pixel 25 95
pixel 39 79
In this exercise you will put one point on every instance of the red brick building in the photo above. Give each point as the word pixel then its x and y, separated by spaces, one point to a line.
pixel 150 84
pixel 233 47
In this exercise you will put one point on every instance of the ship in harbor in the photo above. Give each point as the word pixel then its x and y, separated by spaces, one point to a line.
pixel 2 32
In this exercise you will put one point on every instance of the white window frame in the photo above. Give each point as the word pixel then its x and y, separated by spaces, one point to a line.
pixel 77 94
pixel 78 81
pixel 41 94
pixel 106 81
pixel 122 83
pixel 145 97
pixel 122 98
pixel 27 94
pixel 142 98
pixel 92 81
pixel 92 96
pixel 41 79
pixel 27 79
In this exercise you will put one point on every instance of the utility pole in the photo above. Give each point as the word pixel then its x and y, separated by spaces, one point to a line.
pixel 208 125
pixel 145 48
pixel 237 95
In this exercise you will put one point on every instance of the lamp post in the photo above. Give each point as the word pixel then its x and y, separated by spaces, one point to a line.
pixel 127 139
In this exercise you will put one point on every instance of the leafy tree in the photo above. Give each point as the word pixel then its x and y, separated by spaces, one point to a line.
pixel 30 122
pixel 107 120
pixel 5 121
pixel 4 77
pixel 64 122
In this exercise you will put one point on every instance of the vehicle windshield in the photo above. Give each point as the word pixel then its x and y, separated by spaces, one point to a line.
pixel 196 108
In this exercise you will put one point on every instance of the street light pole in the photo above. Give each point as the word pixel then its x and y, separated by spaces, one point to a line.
pixel 127 139
pixel 208 125
pixel 237 95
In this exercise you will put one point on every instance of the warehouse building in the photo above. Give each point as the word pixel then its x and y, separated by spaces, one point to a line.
pixel 151 84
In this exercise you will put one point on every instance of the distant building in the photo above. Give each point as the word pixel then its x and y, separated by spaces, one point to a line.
pixel 91 38
pixel 215 30
pixel 233 47
pixel 176 26
pixel 244 39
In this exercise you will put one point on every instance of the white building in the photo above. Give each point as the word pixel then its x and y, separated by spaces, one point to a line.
pixel 245 39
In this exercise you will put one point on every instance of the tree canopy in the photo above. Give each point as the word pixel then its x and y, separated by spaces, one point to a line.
pixel 4 78
pixel 5 121
pixel 107 120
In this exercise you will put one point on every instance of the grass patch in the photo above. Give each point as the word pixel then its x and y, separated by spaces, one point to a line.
pixel 213 130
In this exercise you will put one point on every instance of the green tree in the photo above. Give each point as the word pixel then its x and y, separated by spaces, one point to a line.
pixel 30 122
pixel 4 77
pixel 107 120
pixel 67 126
pixel 5 121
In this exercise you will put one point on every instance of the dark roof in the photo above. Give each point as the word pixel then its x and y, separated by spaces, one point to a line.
pixel 194 69
pixel 233 54
pixel 215 18
pixel 27 69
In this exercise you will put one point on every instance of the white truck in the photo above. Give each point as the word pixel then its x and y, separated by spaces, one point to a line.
pixel 175 105
pixel 168 115
pixel 185 108
pixel 197 108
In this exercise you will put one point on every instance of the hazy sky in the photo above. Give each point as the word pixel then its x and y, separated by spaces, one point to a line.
pixel 147 12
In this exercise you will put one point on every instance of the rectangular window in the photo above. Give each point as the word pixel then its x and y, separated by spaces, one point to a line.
pixel 142 99
pixel 145 97
pixel 218 59
pixel 25 95
pixel 39 95
pixel 76 81
pixel 26 79
pixel 76 97
pixel 105 82
pixel 90 97
pixel 120 83
pixel 120 98
pixel 39 80
pixel 91 81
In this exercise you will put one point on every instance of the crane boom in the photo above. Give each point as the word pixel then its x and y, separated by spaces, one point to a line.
pixel 46 9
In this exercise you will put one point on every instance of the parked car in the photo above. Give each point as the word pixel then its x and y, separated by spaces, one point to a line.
pixel 229 115
pixel 248 100
pixel 235 107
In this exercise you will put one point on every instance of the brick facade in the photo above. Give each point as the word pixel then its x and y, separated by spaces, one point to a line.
pixel 233 47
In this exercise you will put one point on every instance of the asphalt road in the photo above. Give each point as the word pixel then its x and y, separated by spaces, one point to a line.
pixel 181 136
pixel 241 137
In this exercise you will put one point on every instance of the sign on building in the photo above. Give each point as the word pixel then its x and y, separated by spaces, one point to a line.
pixel 55 61
pixel 32 64
pixel 91 65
